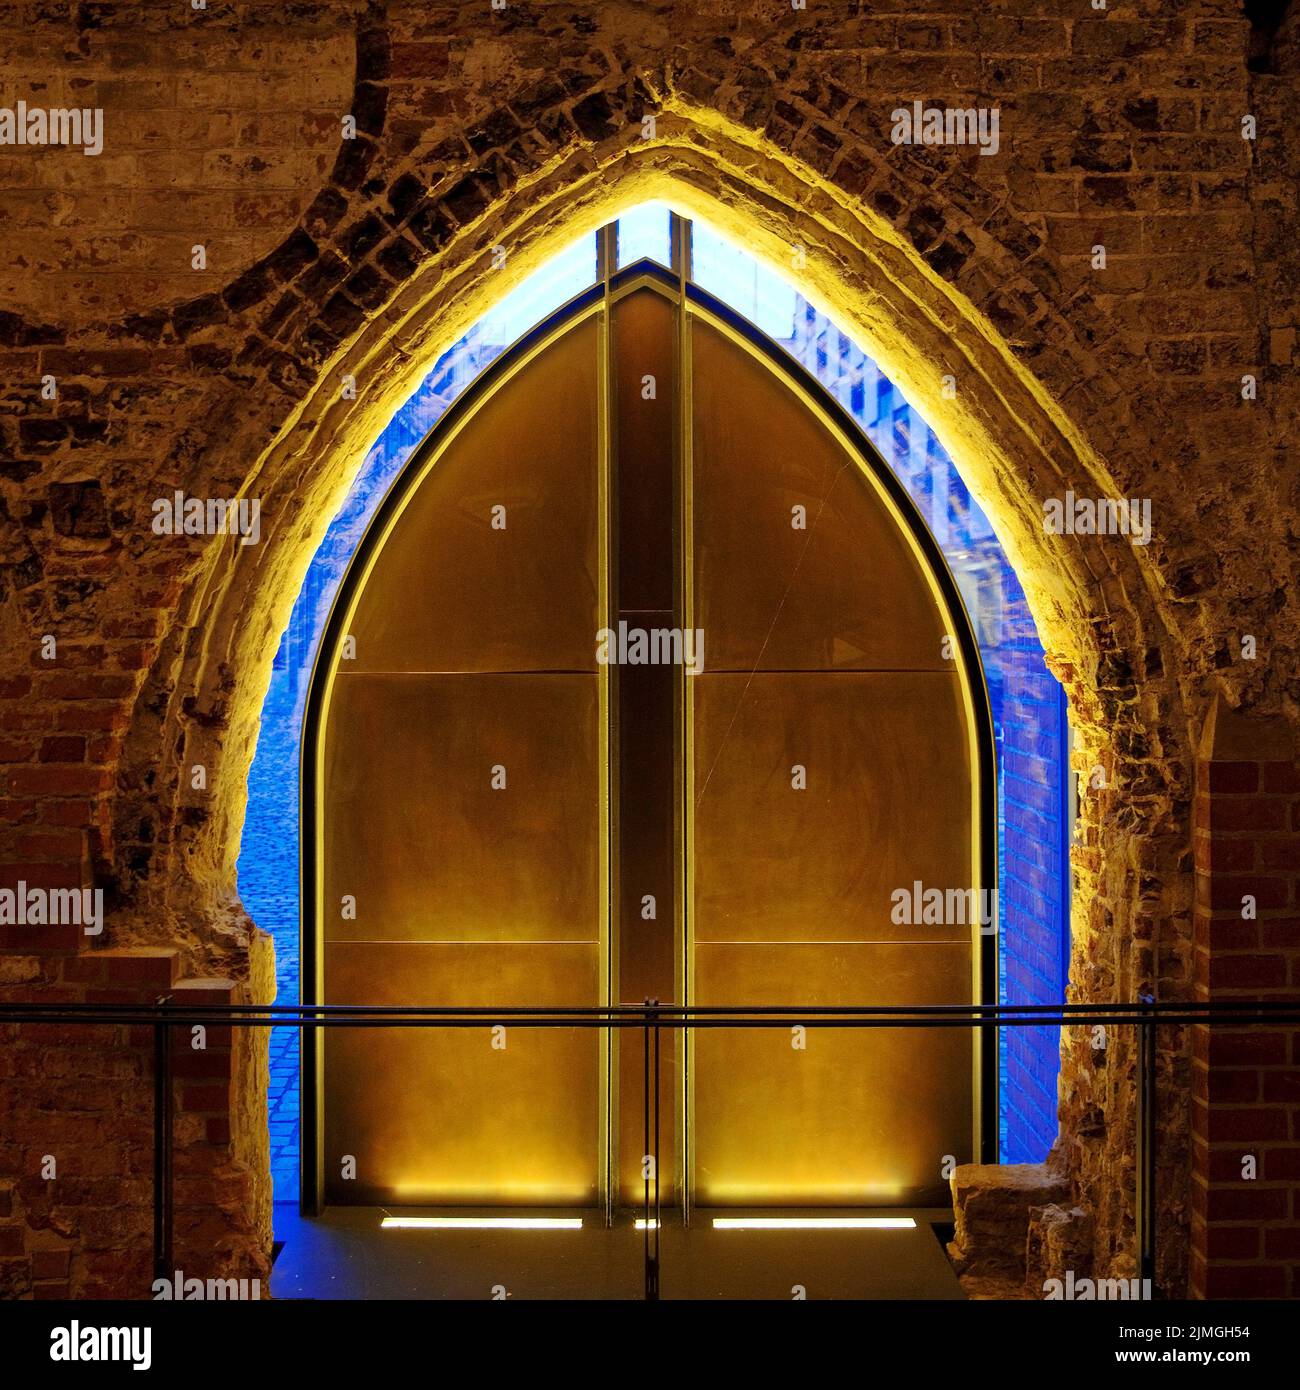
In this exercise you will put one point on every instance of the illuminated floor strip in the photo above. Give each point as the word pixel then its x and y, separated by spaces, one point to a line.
pixel 720 1223
pixel 483 1223
pixel 813 1223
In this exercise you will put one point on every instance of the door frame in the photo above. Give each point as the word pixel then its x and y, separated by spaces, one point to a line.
pixel 690 297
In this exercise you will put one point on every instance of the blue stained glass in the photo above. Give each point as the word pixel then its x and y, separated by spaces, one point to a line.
pixel 752 290
pixel 644 234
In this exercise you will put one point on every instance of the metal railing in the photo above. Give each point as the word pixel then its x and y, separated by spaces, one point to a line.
pixel 652 1018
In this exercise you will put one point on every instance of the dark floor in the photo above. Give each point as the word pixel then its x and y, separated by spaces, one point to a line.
pixel 345 1254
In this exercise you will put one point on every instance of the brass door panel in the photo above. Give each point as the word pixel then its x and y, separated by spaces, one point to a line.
pixel 845 592
pixel 451 592
pixel 416 833
pixel 465 895
pixel 854 1117
pixel 462 816
pixel 443 1116
pixel 887 804
pixel 831 767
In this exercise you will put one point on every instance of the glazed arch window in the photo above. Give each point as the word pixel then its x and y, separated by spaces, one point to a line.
pixel 837 744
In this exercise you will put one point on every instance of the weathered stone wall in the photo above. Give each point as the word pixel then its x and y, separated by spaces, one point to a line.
pixel 124 749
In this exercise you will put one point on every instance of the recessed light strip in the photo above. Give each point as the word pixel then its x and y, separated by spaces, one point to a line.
pixel 482 1223
pixel 813 1223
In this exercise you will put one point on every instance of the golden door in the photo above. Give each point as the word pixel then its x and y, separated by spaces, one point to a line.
pixel 514 805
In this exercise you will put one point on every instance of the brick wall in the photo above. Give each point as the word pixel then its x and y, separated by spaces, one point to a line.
pixel 77 1142
pixel 1246 1082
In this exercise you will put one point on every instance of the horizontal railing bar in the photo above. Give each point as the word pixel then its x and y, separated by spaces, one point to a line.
pixel 183 1018
pixel 639 1011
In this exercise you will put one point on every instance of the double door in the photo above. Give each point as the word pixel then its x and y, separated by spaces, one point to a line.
pixel 651 690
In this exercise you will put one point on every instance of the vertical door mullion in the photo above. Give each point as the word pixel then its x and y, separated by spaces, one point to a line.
pixel 683 753
pixel 606 261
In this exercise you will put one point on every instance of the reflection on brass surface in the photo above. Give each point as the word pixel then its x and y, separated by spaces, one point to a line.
pixel 441 1115
pixel 631 1117
pixel 856 1116
pixel 645 870
pixel 643 329
pixel 416 832
pixel 843 592
pixel 886 803
pixel 451 592
pixel 643 335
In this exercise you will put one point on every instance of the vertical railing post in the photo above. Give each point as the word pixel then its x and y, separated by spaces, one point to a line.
pixel 1146 1142
pixel 162 1144
pixel 650 1148
pixel 658 1226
